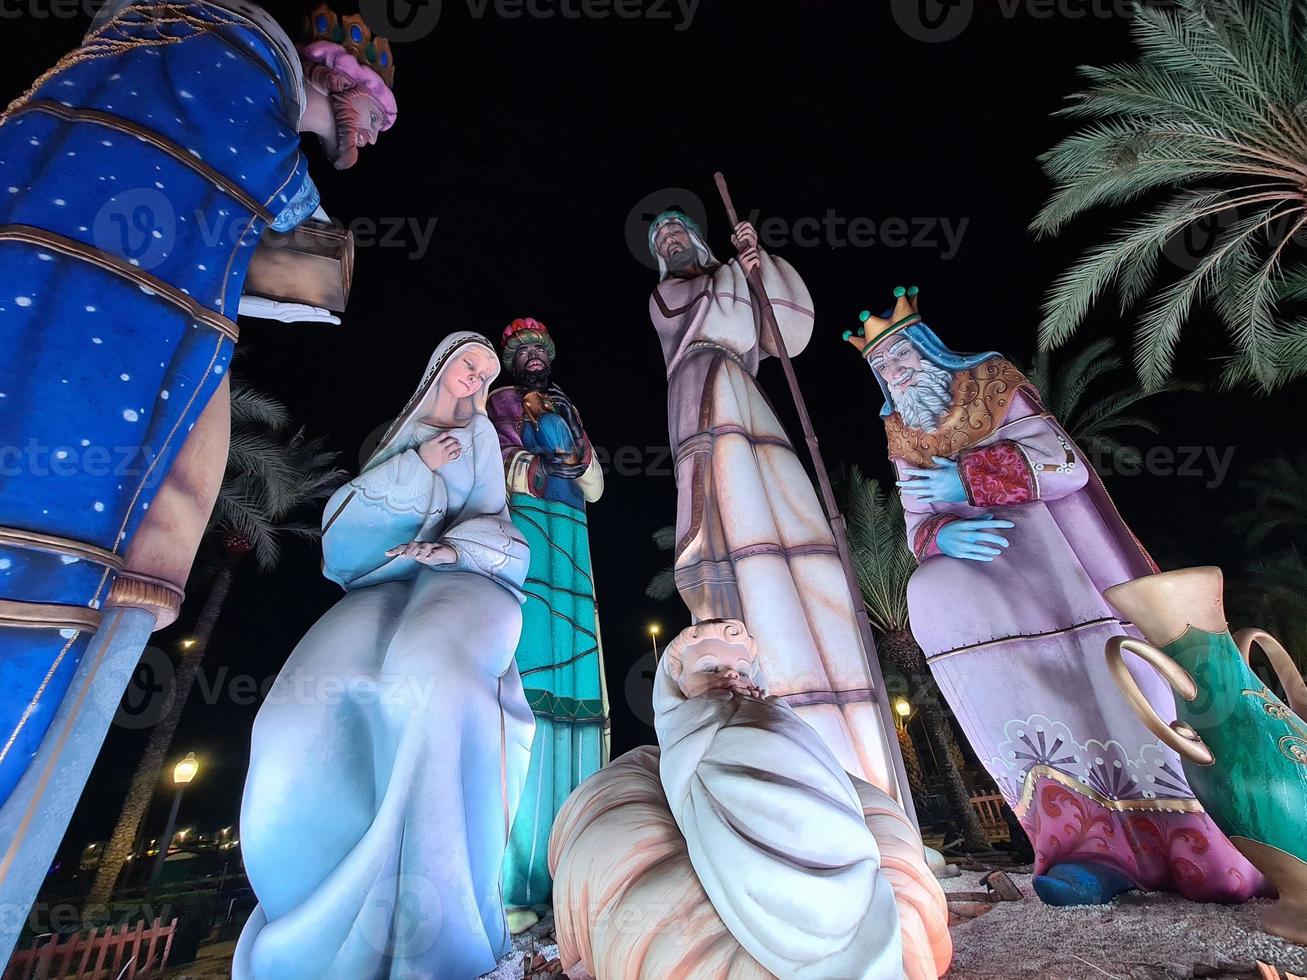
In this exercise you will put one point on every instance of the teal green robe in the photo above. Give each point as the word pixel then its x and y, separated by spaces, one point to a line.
pixel 560 655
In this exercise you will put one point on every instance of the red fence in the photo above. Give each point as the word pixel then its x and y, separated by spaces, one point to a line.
pixel 125 953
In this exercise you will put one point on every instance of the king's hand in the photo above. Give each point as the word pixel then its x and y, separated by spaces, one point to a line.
pixel 939 485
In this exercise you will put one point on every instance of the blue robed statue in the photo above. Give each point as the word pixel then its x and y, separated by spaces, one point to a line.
pixel 136 178
pixel 389 757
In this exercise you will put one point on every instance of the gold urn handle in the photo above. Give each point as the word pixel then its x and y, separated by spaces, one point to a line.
pixel 1295 691
pixel 1187 743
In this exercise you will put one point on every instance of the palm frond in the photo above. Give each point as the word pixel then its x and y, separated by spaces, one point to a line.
pixel 272 476
pixel 665 538
pixel 251 407
pixel 1217 96
pixel 878 545
pixel 1275 503
pixel 1066 393
pixel 663 585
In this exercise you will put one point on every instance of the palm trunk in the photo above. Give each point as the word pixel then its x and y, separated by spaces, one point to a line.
pixel 146 780
pixel 912 763
pixel 902 651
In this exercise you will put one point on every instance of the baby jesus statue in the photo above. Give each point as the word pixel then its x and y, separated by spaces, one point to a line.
pixel 745 851
pixel 783 840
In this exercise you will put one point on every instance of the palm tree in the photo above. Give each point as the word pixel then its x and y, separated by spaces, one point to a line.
pixel 1272 594
pixel 272 474
pixel 1272 529
pixel 1095 425
pixel 663 585
pixel 1275 504
pixel 878 541
pixel 1213 112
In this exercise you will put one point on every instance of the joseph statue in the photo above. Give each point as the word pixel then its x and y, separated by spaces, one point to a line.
pixel 752 541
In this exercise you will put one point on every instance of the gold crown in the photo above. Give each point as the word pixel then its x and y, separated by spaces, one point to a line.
pixel 352 33
pixel 875 329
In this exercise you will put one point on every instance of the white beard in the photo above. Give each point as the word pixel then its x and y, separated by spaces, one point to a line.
pixel 928 399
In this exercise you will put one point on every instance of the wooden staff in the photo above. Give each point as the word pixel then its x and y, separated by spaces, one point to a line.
pixel 772 335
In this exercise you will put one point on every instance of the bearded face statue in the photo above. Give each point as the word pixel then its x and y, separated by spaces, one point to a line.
pixel 675 246
pixel 532 366
pixel 920 391
pixel 357 116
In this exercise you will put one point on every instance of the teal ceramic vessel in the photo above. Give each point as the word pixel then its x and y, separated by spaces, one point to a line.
pixel 1244 750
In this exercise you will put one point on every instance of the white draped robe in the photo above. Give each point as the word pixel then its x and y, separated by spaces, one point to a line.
pixel 389 757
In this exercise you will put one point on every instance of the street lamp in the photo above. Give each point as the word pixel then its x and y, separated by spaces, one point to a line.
pixel 654 630
pixel 903 709
pixel 182 774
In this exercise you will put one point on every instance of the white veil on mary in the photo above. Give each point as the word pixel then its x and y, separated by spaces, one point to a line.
pixel 400 436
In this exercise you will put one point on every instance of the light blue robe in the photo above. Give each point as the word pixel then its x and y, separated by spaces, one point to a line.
pixel 389 757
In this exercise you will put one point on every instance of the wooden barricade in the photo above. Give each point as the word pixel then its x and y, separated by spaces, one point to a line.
pixel 126 953
pixel 989 806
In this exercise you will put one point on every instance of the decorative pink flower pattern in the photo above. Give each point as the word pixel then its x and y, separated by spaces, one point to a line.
pixel 1155 850
pixel 997 475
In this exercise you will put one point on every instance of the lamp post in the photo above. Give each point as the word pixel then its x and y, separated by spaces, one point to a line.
pixel 902 711
pixel 182 774
pixel 654 630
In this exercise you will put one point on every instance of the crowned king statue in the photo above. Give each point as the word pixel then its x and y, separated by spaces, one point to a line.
pixel 139 174
pixel 552 474
pixel 1017 539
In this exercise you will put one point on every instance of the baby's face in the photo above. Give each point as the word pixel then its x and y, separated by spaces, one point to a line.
pixel 714 665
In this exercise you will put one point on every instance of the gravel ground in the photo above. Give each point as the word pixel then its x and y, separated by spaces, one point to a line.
pixel 1161 930
pixel 1137 937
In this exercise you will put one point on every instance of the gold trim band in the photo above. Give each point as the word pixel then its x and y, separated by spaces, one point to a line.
pixel 44 615
pixel 1160 804
pixel 18 538
pixel 154 595
pixel 30 235
pixel 129 128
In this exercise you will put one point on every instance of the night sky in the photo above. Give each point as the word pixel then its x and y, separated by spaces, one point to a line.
pixel 534 144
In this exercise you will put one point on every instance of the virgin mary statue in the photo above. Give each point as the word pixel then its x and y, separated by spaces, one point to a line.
pixel 389 757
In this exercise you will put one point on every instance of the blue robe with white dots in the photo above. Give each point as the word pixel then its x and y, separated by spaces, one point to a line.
pixel 135 181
